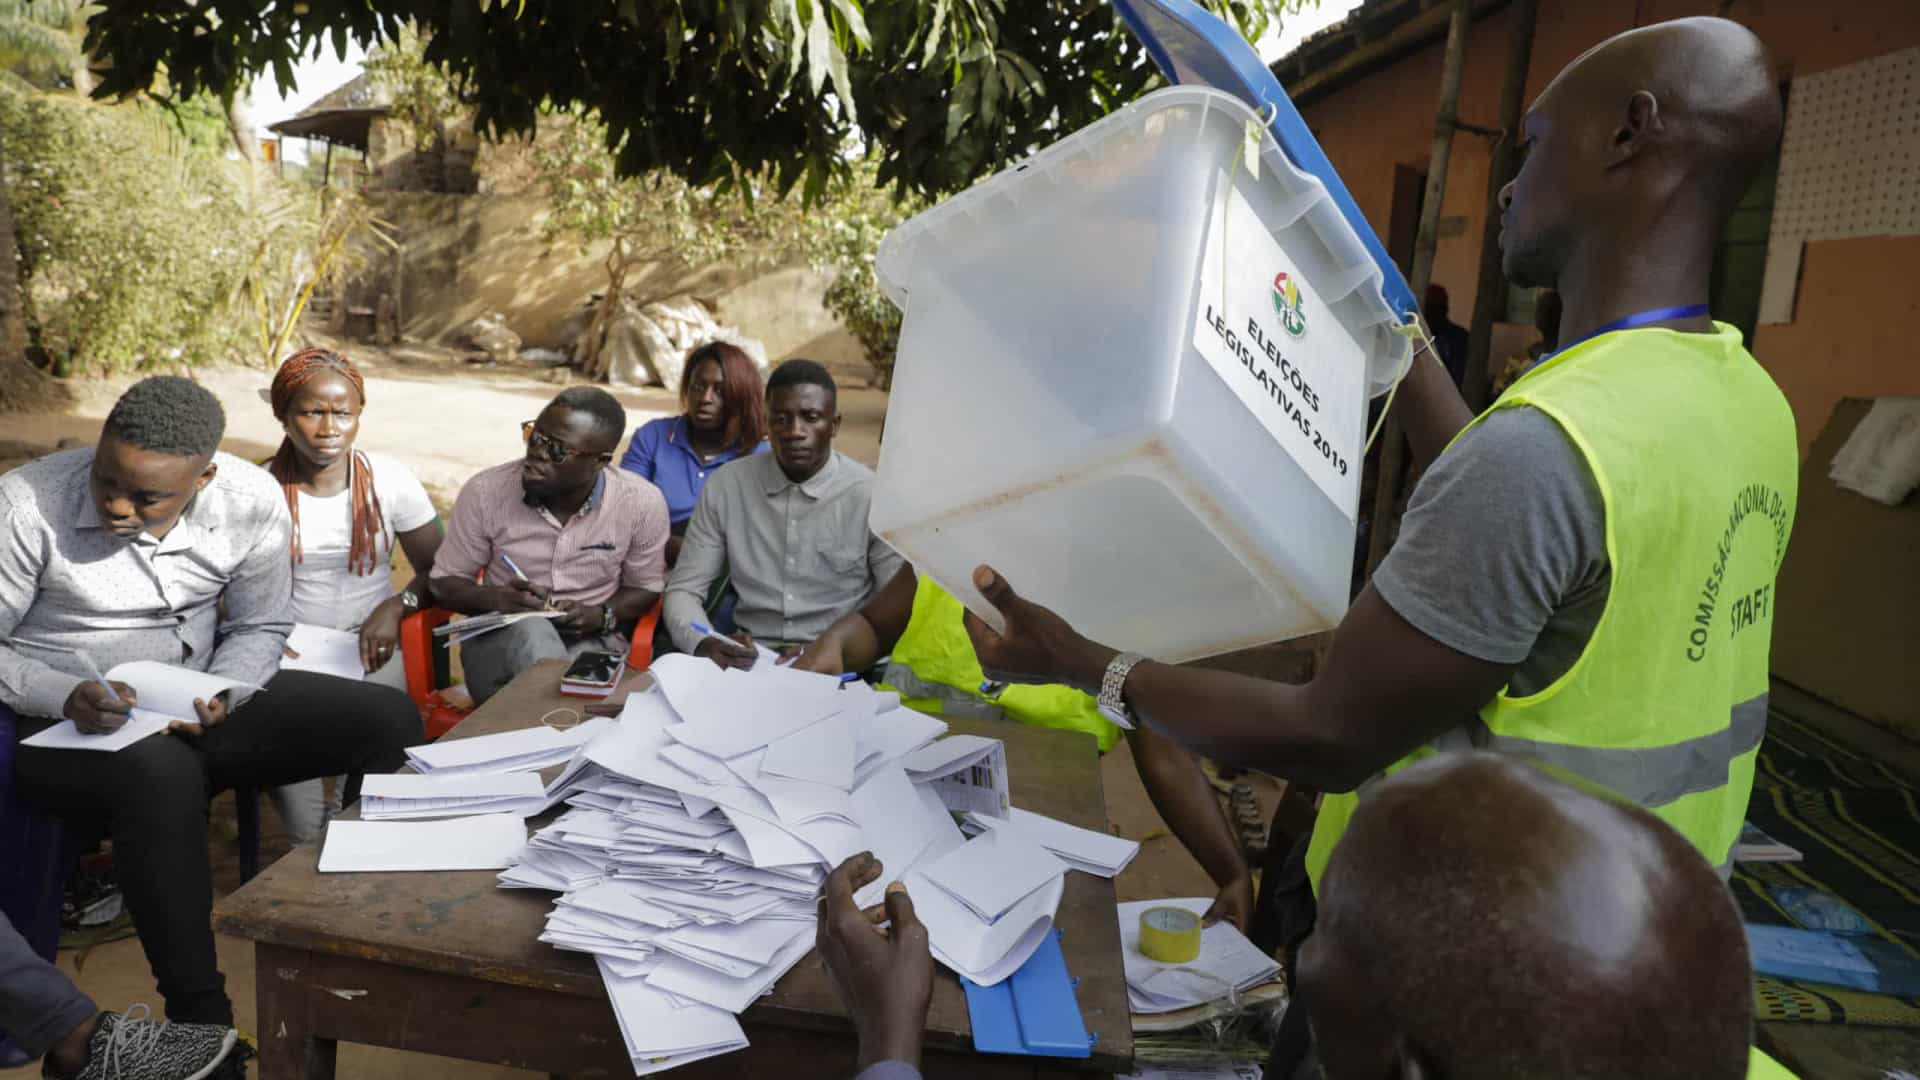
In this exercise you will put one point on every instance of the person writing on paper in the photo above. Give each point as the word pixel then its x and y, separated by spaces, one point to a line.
pixel 154 546
pixel 919 626
pixel 557 531
pixel 1482 919
pixel 790 527
pixel 351 510
pixel 1545 595
pixel 723 417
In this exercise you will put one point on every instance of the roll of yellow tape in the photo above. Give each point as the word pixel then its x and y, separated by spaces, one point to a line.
pixel 1169 935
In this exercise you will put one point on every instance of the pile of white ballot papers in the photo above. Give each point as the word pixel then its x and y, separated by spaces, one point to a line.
pixel 1228 963
pixel 701 823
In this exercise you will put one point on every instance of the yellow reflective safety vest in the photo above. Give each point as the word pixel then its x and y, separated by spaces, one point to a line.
pixel 934 670
pixel 1762 1067
pixel 1692 447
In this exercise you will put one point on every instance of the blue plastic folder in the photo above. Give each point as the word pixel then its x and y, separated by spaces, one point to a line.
pixel 1033 1011
pixel 1191 46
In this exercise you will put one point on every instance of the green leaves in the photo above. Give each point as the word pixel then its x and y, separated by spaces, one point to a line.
pixel 941 91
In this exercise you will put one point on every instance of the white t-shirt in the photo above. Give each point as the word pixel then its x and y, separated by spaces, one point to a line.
pixel 327 593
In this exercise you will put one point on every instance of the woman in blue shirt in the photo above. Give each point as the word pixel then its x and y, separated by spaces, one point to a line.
pixel 725 417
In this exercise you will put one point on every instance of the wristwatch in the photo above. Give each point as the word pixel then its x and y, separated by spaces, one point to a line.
pixel 1110 702
pixel 409 600
pixel 606 618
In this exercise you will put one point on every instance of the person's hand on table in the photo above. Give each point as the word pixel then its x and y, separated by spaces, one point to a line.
pixel 1037 647
pixel 823 657
pixel 380 634
pixel 1234 904
pixel 885 976
pixel 212 714
pixel 518 595
pixel 94 711
pixel 734 652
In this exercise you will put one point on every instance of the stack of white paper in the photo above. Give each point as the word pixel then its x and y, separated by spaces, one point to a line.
pixel 440 795
pixel 1083 849
pixel 531 748
pixel 701 823
pixel 485 842
pixel 1228 963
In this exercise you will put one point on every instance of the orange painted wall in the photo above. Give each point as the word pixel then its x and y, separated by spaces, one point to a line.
pixel 1852 333
pixel 1842 341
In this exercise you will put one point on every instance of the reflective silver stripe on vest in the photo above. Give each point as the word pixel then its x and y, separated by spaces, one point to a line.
pixel 1652 776
pixel 953 702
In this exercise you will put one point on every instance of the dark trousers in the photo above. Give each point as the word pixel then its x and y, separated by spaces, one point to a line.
pixel 1283 919
pixel 153 797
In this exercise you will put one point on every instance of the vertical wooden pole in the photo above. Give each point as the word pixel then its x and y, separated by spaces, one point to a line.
pixel 1489 301
pixel 1393 450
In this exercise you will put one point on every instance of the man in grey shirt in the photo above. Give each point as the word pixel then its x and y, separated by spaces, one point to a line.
pixel 124 552
pixel 790 528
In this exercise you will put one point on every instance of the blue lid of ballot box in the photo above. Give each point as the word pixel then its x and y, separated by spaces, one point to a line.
pixel 1192 46
pixel 1033 1011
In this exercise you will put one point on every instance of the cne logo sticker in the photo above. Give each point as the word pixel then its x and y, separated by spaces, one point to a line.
pixel 1288 303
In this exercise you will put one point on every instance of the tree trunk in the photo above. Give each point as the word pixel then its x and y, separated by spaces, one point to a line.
pixel 1393 450
pixel 1489 300
pixel 591 356
pixel 13 314
pixel 240 129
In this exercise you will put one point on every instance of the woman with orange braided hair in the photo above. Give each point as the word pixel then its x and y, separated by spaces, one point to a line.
pixel 350 508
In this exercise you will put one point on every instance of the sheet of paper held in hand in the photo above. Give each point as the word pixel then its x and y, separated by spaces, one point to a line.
pixel 166 693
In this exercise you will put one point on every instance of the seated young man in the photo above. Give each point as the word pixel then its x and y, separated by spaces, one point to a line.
pixel 790 527
pixel 124 552
pixel 932 666
pixel 558 531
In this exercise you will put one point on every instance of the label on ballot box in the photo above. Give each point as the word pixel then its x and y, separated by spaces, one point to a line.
pixel 1285 354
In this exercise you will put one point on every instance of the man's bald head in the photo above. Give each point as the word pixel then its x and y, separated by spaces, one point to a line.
pixel 1480 919
pixel 1656 132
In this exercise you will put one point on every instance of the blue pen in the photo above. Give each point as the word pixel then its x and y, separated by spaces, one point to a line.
pixel 511 565
pixel 849 677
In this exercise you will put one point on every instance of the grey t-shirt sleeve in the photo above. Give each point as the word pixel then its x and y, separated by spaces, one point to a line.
pixel 1506 530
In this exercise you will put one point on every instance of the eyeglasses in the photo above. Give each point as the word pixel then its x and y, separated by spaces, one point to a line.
pixel 550 448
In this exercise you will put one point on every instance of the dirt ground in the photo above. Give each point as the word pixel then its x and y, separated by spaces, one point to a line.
pixel 447 420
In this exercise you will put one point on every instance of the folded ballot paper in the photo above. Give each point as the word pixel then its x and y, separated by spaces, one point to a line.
pixel 404 795
pixel 1096 853
pixel 968 772
pixel 1228 963
pixel 531 748
pixel 701 823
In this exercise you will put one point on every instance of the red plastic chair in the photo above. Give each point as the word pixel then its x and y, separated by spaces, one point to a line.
pixel 428 666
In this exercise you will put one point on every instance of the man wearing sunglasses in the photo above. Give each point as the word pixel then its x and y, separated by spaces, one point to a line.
pixel 554 531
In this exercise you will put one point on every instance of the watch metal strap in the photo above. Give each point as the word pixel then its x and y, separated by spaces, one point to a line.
pixel 1115 680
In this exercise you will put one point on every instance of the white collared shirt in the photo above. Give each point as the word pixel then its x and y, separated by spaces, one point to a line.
pixel 65 580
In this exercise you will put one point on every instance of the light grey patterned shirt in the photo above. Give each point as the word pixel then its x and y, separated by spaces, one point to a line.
pixel 65 580
pixel 800 555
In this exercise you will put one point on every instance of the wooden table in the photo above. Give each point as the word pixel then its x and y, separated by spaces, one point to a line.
pixel 449 964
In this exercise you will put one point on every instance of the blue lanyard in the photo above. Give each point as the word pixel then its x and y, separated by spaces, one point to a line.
pixel 1631 322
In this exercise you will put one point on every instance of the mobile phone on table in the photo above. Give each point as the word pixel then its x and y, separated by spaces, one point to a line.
pixel 592 674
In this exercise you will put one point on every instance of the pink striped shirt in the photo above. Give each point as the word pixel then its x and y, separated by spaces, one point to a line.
pixel 617 540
